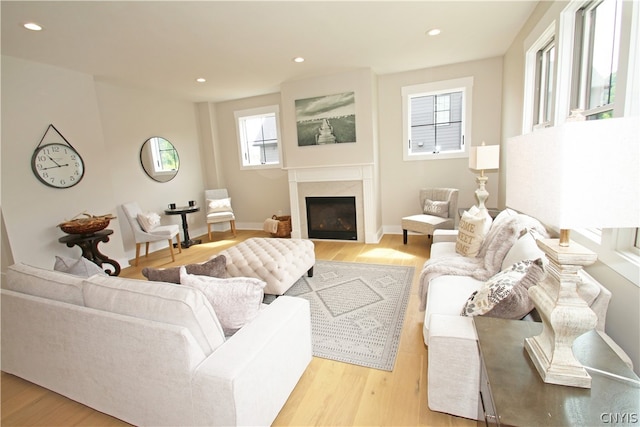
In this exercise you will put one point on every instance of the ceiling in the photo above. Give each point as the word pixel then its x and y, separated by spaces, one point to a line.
pixel 245 48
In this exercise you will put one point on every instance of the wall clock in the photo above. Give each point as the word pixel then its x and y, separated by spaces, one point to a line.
pixel 56 164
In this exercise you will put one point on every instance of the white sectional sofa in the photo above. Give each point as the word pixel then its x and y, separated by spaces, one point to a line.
pixel 150 353
pixel 454 364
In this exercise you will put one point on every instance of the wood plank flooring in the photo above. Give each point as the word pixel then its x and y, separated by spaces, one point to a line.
pixel 328 394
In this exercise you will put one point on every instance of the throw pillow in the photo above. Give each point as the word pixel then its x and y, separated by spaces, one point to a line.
pixel 219 205
pixel 506 295
pixel 473 226
pixel 215 267
pixel 148 221
pixel 436 208
pixel 236 300
pixel 78 267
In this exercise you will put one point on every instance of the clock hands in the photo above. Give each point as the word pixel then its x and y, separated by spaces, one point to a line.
pixel 57 165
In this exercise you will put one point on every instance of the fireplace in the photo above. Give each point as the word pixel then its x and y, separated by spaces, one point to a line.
pixel 331 218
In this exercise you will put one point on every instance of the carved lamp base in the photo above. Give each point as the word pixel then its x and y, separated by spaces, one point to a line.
pixel 565 315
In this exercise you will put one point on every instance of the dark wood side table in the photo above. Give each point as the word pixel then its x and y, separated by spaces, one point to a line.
pixel 512 392
pixel 183 211
pixel 89 245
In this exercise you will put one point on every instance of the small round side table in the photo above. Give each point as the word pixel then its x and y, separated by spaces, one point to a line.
pixel 89 245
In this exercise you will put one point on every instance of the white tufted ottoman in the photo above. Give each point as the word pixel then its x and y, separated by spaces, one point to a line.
pixel 279 262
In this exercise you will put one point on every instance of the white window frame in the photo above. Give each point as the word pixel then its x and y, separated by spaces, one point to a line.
pixel 464 85
pixel 242 115
pixel 615 247
pixel 531 94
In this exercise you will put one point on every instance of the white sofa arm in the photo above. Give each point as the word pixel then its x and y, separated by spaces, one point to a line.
pixel 445 236
pixel 248 379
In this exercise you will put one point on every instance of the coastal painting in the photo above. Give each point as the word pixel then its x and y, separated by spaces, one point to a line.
pixel 324 120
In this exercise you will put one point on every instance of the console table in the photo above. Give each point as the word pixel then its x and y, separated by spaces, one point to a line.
pixel 512 392
pixel 89 245
pixel 183 211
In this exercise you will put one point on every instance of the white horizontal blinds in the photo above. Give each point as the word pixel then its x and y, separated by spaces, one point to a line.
pixel 436 122
pixel 261 139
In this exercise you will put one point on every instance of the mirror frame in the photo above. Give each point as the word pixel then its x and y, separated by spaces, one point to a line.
pixel 147 161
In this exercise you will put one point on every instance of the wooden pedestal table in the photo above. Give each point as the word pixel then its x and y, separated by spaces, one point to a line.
pixel 89 245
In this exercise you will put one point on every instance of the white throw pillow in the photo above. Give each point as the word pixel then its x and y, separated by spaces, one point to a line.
pixel 236 300
pixel 148 221
pixel 219 205
pixel 436 208
pixel 474 226
pixel 78 267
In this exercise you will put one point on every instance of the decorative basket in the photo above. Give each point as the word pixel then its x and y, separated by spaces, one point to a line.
pixel 88 225
pixel 284 226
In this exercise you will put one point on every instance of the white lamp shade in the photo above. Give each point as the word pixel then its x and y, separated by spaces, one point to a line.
pixel 577 175
pixel 484 157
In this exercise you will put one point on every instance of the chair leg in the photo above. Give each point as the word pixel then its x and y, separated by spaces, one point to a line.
pixel 137 254
pixel 146 250
pixel 233 227
pixel 209 230
pixel 173 258
pixel 404 236
pixel 178 243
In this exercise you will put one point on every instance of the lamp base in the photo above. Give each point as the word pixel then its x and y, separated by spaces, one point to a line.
pixel 481 192
pixel 565 315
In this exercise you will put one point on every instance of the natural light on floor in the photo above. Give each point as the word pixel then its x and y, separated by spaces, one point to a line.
pixel 387 253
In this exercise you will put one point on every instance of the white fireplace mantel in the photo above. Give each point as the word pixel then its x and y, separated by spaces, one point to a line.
pixel 360 173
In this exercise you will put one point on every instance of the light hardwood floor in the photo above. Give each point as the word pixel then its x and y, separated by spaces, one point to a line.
pixel 328 394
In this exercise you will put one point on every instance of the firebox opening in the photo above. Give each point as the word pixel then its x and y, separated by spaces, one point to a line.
pixel 331 218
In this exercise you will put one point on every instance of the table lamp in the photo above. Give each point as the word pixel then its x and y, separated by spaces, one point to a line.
pixel 481 158
pixel 581 174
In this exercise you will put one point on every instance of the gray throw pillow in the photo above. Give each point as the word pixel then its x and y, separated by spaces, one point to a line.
pixel 215 267
pixel 506 295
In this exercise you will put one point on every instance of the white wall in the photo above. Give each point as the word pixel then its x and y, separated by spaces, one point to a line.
pixel 401 180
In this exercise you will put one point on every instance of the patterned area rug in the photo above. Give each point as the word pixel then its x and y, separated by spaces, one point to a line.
pixel 357 310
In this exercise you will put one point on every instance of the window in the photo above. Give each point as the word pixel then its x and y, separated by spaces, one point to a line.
pixel 545 67
pixel 434 119
pixel 164 155
pixel 258 137
pixel 596 46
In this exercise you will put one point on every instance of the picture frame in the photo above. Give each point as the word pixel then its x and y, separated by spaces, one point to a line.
pixel 326 120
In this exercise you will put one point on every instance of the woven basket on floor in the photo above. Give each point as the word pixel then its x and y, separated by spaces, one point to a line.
pixel 284 226
pixel 88 225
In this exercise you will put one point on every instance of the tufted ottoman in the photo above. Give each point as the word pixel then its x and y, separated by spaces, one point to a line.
pixel 279 262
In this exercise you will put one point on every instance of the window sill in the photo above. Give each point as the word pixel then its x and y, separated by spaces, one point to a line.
pixel 436 156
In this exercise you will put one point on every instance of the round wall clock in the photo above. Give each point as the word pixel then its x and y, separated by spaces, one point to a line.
pixel 57 165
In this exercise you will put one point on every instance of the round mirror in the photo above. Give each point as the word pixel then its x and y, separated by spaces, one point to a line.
pixel 159 159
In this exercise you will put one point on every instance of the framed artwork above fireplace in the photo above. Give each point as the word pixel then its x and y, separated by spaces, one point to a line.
pixel 325 120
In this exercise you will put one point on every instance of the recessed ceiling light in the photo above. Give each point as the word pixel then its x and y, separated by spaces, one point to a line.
pixel 433 32
pixel 32 26
pixel 298 59
pixel 201 80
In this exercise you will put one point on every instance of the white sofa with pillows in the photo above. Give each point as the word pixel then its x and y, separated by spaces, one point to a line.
pixel 487 271
pixel 156 353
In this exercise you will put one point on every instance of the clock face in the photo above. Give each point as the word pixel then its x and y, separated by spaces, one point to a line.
pixel 57 165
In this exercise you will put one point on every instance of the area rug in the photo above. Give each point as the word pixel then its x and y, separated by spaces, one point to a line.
pixel 357 310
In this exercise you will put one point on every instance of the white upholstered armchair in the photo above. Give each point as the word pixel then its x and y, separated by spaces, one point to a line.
pixel 439 209
pixel 219 209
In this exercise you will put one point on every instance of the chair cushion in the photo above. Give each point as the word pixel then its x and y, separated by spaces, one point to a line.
pixel 219 205
pixel 236 300
pixel 436 208
pixel 214 267
pixel 167 231
pixel 160 302
pixel 148 221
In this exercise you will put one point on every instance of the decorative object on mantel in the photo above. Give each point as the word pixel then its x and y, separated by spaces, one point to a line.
pixel 482 158
pixel 57 164
pixel 87 225
pixel 581 174
pixel 329 119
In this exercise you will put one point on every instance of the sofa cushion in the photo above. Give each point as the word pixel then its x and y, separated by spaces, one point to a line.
pixel 436 208
pixel 78 267
pixel 160 302
pixel 474 225
pixel 506 295
pixel 44 283
pixel 236 300
pixel 524 248
pixel 214 267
